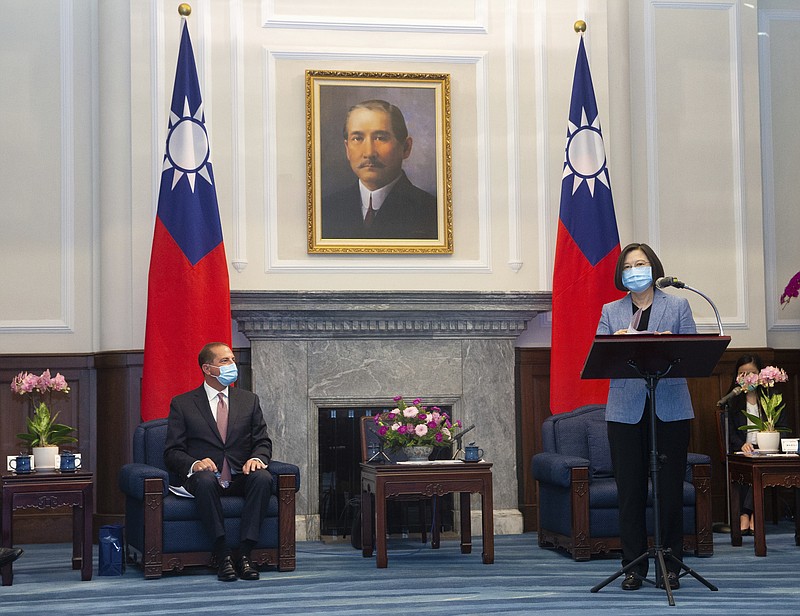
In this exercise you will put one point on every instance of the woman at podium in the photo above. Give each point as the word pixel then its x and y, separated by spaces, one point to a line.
pixel 647 309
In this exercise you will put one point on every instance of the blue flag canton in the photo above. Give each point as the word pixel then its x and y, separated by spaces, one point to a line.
pixel 587 207
pixel 187 198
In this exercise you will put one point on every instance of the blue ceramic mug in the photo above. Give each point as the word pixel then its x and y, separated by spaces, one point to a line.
pixel 472 453
pixel 20 464
pixel 69 463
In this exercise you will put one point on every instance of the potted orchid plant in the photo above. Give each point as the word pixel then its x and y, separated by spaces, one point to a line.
pixel 771 404
pixel 44 434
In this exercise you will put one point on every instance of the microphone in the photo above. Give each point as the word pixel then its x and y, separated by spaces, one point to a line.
pixel 669 281
pixel 461 434
pixel 731 394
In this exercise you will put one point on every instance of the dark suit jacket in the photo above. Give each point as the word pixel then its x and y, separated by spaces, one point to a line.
pixel 407 213
pixel 192 433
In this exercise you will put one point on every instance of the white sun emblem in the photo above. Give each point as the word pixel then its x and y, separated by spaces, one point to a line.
pixel 187 146
pixel 585 156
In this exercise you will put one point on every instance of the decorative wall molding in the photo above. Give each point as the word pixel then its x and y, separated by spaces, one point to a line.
pixel 64 324
pixel 376 264
pixel 512 113
pixel 238 132
pixel 740 320
pixel 541 110
pixel 767 17
pixel 271 18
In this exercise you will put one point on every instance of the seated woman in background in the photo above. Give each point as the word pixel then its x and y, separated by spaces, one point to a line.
pixel 745 440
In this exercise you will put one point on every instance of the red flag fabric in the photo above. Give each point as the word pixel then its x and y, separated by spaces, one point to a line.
pixel 188 292
pixel 587 248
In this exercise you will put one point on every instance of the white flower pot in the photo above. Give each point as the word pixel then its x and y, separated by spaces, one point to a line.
pixel 44 458
pixel 768 441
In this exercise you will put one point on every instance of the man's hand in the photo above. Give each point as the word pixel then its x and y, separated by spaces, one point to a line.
pixel 253 464
pixel 206 464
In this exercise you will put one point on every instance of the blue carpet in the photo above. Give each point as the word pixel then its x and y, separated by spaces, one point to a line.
pixel 335 579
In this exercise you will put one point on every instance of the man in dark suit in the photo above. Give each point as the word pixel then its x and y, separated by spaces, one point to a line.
pixel 217 443
pixel 383 203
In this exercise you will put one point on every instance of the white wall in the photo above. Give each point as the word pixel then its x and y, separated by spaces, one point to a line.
pixel 677 84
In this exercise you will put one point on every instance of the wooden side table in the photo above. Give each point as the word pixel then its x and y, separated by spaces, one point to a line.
pixel 380 482
pixel 45 490
pixel 761 472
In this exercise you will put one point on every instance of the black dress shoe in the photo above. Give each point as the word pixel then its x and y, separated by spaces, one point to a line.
pixel 747 532
pixel 631 582
pixel 672 577
pixel 9 555
pixel 226 572
pixel 246 570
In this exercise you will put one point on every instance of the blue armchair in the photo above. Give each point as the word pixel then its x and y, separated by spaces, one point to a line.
pixel 164 532
pixel 578 508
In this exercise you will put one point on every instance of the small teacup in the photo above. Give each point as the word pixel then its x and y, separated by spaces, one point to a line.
pixel 472 453
pixel 69 463
pixel 20 464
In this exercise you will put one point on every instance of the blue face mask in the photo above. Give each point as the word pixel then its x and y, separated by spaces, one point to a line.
pixel 637 279
pixel 228 374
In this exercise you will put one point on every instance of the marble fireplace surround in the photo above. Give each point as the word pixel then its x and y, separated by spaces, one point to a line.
pixel 317 349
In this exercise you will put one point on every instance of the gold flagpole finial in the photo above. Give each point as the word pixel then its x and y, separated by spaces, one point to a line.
pixel 580 26
pixel 184 10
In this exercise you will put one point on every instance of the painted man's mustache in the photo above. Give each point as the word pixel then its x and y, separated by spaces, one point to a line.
pixel 371 163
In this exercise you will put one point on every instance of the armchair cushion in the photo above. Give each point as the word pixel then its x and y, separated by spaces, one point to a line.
pixel 599 449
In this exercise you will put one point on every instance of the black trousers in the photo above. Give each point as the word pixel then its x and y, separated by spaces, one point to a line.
pixel 256 488
pixel 630 457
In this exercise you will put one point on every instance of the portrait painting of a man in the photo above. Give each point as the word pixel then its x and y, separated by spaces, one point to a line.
pixel 377 174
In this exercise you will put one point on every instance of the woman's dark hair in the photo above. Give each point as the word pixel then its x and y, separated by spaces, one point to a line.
pixel 746 359
pixel 655 263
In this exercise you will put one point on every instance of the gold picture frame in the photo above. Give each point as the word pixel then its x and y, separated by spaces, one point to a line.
pixel 342 172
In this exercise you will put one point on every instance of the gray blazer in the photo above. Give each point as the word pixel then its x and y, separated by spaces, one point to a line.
pixel 626 397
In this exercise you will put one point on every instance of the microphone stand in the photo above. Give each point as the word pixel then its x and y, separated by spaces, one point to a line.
pixel 458 438
pixel 726 528
pixel 380 453
pixel 705 297
pixel 722 527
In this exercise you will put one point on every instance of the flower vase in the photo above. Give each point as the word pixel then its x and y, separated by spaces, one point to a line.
pixel 768 441
pixel 418 453
pixel 44 458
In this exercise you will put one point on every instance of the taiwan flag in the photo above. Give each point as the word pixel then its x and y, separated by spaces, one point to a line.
pixel 587 248
pixel 188 294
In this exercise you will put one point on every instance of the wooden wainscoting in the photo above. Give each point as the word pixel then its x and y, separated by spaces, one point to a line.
pixel 533 407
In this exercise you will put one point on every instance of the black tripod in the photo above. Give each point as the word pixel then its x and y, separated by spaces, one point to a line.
pixel 657 552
